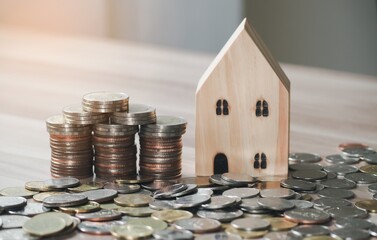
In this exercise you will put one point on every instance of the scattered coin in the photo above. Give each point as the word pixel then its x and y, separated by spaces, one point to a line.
pixel 328 202
pixel 198 225
pixel 219 202
pixel 136 211
pixel 280 224
pixel 156 225
pixel 372 188
pixel 217 179
pixel 216 236
pixel 277 193
pixel 338 183
pixel 44 225
pixel 309 175
pixel 343 146
pixel 368 205
pixel 12 202
pixel 138 179
pixel 190 201
pixel 17 192
pixel 245 234
pixel 171 215
pixel 347 212
pixel 98 228
pixel 238 177
pixel 339 159
pixel 341 169
pixel 302 204
pixel 307 216
pixel 298 185
pixel 201 182
pixel 250 224
pixel 131 231
pixel 361 178
pixel 37 186
pixel 251 205
pixel 16 233
pixel 370 158
pixel 167 191
pixel 353 223
pixel 65 200
pixel 309 231
pixel 60 183
pixel 133 200
pixel 13 221
pixel 100 195
pixel 100 216
pixel 357 152
pixel 373 231
pixel 41 196
pixel 305 166
pixel 161 204
pixel 31 209
pixel 86 187
pixel 241 192
pixel 304 157
pixel 336 193
pixel 122 188
pixel 172 234
pixel 350 233
pixel 224 215
pixel 277 204
pixel 88 207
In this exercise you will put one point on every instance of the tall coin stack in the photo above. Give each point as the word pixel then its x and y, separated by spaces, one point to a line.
pixel 115 150
pixel 74 114
pixel 71 148
pixel 161 147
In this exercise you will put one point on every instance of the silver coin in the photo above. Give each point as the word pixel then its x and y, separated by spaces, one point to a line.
pixel 304 157
pixel 217 179
pixel 238 177
pixel 191 201
pixel 15 233
pixel 347 212
pixel 161 204
pixel 277 193
pixel 173 234
pixel 100 195
pixel 31 209
pixel 219 202
pixel 198 225
pixel 276 236
pixel 361 178
pixel 357 152
pixel 309 231
pixel 65 200
pixel 167 191
pixel 252 204
pixel 370 158
pixel 59 183
pixel 166 122
pixel 206 191
pixel 218 236
pixel 309 175
pixel 304 166
pixel 338 183
pixel 326 202
pixel 98 228
pixel 277 204
pixel 299 185
pixel 373 231
pixel 191 188
pixel 336 193
pixel 100 216
pixel 302 204
pixel 372 188
pixel 339 159
pixel 250 224
pixel 353 223
pixel 12 202
pixel 220 215
pixel 122 188
pixel 350 234
pixel 241 192
pixel 307 216
pixel 13 221
pixel 340 169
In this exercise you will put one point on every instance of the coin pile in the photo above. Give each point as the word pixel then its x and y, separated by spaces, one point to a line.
pixel 105 102
pixel 71 148
pixel 161 147
pixel 115 150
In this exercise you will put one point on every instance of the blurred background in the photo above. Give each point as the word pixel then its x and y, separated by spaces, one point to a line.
pixel 337 34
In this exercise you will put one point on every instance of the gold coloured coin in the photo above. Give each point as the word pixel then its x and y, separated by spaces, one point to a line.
pixel 156 225
pixel 44 225
pixel 324 237
pixel 133 200
pixel 371 169
pixel 89 207
pixel 110 206
pixel 86 187
pixel 37 186
pixel 280 224
pixel 368 205
pixel 131 232
pixel 17 192
pixel 245 234
pixel 41 196
pixel 171 215
pixel 136 211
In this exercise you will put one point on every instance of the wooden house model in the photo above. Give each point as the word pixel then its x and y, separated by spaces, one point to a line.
pixel 242 110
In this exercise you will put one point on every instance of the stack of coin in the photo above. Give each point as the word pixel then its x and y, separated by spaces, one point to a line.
pixel 115 150
pixel 74 114
pixel 138 114
pixel 71 148
pixel 161 147
pixel 105 102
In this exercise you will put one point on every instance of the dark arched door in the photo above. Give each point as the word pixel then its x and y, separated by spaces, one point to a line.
pixel 220 164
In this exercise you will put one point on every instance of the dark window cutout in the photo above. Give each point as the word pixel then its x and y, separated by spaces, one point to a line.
pixel 218 107
pixel 220 165
pixel 225 107
pixel 258 110
pixel 256 161
pixel 264 161
pixel 265 109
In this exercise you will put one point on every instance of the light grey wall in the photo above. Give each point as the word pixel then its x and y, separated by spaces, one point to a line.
pixel 336 34
pixel 199 25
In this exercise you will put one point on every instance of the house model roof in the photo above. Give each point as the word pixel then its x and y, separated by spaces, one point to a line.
pixel 245 27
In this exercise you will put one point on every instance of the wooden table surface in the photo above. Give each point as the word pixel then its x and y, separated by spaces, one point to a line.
pixel 40 74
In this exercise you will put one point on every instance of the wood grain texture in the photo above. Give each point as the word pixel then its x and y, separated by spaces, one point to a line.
pixel 40 74
pixel 242 75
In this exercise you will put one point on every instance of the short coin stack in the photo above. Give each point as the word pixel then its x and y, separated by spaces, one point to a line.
pixel 115 150
pixel 105 102
pixel 138 114
pixel 74 114
pixel 71 148
pixel 161 147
